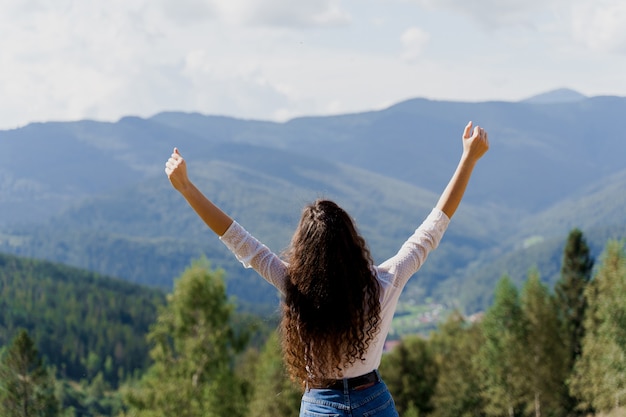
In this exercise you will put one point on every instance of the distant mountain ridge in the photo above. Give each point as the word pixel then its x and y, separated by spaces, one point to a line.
pixel 94 194
pixel 561 95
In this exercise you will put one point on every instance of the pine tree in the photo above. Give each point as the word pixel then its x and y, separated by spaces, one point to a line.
pixel 455 345
pixel 599 377
pixel 194 348
pixel 542 367
pixel 26 389
pixel 576 269
pixel 499 359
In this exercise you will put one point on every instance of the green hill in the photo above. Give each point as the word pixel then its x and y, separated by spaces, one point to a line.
pixel 597 210
pixel 81 321
pixel 148 234
pixel 597 205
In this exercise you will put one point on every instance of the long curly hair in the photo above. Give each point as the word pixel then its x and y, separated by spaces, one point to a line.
pixel 331 310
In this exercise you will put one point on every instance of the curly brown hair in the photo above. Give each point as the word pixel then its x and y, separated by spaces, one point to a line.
pixel 331 310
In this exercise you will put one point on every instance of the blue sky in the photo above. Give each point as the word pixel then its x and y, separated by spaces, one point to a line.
pixel 278 59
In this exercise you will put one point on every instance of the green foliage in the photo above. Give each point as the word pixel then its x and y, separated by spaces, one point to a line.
pixel 26 389
pixel 193 353
pixel 499 359
pixel 571 298
pixel 455 344
pixel 542 367
pixel 274 393
pixel 82 323
pixel 512 363
pixel 410 371
pixel 477 283
pixel 88 399
pixel 576 271
pixel 600 372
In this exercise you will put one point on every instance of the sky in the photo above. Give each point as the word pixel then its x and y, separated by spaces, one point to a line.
pixel 279 59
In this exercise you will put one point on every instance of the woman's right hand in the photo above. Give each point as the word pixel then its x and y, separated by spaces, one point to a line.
pixel 176 170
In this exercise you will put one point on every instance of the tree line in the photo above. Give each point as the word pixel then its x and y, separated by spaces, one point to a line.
pixel 535 351
pixel 83 323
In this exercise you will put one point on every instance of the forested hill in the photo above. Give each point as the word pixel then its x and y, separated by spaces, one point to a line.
pixel 83 323
pixel 93 194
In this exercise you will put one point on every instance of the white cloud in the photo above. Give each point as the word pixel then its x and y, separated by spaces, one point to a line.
pixel 276 59
pixel 596 24
pixel 93 59
pixel 414 40
pixel 599 25
pixel 230 88
pixel 187 11
pixel 105 59
pixel 285 13
pixel 498 14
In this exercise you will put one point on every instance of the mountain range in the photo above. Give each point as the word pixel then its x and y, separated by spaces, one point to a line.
pixel 94 195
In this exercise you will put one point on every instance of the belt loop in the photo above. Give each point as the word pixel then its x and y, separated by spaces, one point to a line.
pixel 378 375
pixel 346 387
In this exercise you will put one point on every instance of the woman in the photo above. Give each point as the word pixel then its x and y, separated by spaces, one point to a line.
pixel 337 305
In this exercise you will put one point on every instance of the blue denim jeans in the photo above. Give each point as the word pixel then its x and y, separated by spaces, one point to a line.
pixel 374 401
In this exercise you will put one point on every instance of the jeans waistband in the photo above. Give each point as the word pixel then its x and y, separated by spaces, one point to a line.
pixel 355 383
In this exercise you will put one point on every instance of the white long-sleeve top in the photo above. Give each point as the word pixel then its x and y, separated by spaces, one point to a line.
pixel 393 274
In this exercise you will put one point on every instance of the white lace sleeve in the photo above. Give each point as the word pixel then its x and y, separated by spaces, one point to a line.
pixel 415 250
pixel 254 254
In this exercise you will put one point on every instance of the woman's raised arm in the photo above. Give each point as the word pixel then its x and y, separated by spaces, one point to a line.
pixel 213 216
pixel 475 144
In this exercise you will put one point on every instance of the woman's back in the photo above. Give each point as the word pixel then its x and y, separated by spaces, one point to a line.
pixel 337 306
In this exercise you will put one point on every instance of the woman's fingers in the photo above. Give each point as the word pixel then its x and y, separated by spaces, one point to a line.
pixel 468 129
pixel 174 161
